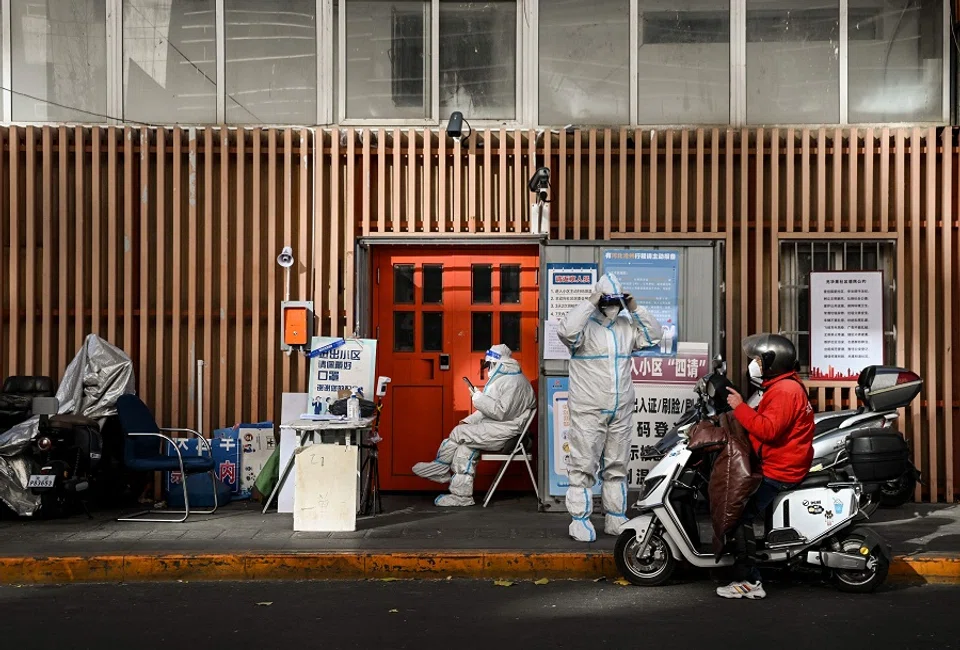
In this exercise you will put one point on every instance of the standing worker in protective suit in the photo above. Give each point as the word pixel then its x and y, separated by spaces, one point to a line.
pixel 602 399
pixel 502 409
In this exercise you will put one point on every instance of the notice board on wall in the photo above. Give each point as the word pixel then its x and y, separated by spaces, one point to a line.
pixel 653 278
pixel 846 323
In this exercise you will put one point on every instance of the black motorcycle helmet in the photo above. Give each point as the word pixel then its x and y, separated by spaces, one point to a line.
pixel 777 353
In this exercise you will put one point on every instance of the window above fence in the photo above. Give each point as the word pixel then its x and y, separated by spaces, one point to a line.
pixel 517 63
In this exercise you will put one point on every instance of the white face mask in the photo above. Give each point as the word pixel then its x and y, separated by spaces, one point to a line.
pixel 756 372
pixel 611 312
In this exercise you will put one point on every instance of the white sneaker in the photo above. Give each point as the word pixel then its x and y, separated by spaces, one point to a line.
pixel 436 472
pixel 453 501
pixel 753 591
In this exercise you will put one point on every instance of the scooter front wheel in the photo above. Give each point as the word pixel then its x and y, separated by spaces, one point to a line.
pixel 867 580
pixel 653 568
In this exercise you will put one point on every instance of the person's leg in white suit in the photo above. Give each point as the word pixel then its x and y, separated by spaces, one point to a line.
pixel 616 457
pixel 586 436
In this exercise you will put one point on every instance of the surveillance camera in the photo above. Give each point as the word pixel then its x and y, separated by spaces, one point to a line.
pixel 455 125
pixel 540 181
pixel 285 258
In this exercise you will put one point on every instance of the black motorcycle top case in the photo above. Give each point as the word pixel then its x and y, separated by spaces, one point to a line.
pixel 878 455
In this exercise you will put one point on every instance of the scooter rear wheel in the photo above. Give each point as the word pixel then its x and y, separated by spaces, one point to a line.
pixel 654 568
pixel 866 581
pixel 894 494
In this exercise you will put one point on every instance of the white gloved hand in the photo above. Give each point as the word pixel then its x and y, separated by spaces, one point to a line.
pixel 631 302
pixel 473 398
pixel 595 298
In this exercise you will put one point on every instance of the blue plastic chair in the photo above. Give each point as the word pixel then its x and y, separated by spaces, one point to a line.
pixel 142 453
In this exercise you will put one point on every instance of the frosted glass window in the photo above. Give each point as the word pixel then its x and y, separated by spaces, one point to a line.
pixel 59 57
pixel 170 61
pixel 271 61
pixel 793 62
pixel 896 61
pixel 683 62
pixel 584 64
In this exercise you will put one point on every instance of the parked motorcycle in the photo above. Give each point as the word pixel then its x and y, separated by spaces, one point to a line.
pixel 882 390
pixel 65 454
pixel 815 524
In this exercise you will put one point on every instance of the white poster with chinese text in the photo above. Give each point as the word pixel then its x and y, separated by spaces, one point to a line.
pixel 342 365
pixel 846 323
pixel 568 285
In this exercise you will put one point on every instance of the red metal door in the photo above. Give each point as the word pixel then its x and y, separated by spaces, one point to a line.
pixel 436 312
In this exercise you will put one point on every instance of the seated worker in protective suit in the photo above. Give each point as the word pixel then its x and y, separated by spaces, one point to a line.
pixel 781 434
pixel 601 400
pixel 502 409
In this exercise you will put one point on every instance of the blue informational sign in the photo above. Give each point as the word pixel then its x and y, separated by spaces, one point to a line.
pixel 558 426
pixel 653 278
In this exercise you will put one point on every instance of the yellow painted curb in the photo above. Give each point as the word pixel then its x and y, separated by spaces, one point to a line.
pixel 354 566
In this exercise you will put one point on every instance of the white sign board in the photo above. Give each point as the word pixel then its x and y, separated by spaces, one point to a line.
pixel 341 365
pixel 568 285
pixel 846 323
pixel 326 488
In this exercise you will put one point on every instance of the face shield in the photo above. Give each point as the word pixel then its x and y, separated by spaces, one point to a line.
pixel 491 358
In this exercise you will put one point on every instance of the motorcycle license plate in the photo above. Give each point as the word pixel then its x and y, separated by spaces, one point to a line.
pixel 41 480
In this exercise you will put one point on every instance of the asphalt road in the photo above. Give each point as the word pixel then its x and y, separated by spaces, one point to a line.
pixel 460 614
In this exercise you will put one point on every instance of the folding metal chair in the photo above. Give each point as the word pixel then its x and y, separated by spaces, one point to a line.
pixel 519 453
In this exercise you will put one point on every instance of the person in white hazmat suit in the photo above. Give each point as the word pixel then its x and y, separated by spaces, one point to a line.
pixel 601 400
pixel 502 409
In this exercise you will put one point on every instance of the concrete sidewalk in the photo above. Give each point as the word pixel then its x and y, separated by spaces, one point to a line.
pixel 412 538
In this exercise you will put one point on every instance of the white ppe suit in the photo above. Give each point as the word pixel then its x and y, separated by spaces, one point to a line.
pixel 601 403
pixel 502 409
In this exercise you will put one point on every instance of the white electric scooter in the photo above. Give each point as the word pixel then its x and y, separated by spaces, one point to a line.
pixel 814 524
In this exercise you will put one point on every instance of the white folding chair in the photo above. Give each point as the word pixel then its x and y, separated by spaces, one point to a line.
pixel 519 453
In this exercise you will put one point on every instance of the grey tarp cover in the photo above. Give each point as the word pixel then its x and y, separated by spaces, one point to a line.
pixel 97 376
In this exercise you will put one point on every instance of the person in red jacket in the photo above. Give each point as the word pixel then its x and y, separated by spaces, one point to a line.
pixel 781 432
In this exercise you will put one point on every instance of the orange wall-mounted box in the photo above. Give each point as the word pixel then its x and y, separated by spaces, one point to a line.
pixel 295 324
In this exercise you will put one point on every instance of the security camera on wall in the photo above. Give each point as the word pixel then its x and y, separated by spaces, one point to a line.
pixel 538 184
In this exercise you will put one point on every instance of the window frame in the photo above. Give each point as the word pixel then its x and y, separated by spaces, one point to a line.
pixel 790 286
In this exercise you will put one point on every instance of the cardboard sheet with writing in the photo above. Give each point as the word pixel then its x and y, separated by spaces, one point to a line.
pixel 326 488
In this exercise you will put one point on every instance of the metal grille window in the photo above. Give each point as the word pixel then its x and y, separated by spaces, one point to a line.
pixel 799 258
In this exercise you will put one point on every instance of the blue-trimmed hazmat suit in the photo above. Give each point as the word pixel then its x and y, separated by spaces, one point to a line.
pixel 502 409
pixel 601 400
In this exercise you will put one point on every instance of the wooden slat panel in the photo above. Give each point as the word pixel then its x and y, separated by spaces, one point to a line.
pixel 930 257
pixel 80 229
pixel 333 289
pixel 728 222
pixel 668 184
pixel 745 230
pixel 46 250
pixel 562 173
pixel 518 180
pixel 577 183
pixel 592 184
pixel 774 230
pixel 273 247
pixel 238 368
pixel 96 261
pixel 427 215
pixel 193 280
pixel 791 179
pixel 7 363
pixel 225 364
pixel 653 225
pixel 821 180
pixel 381 178
pixel 304 230
pixel 548 162
pixel 472 185
pixel 699 195
pixel 208 275
pixel 531 167
pixel 30 293
pixel 805 197
pixel 256 279
pixel 443 209
pixel 885 183
pixel 411 182
pixel 349 268
pixel 457 186
pixel 607 173
pixel 367 175
pixel 128 238
pixel 868 155
pixel 487 181
pixel 759 218
pixel 837 180
pixel 144 263
pixel 715 181
pixel 112 238
pixel 176 267
pixel 63 201
pixel 948 270
pixel 637 180
pixel 161 383
pixel 622 203
pixel 915 275
pixel 396 192
pixel 853 162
